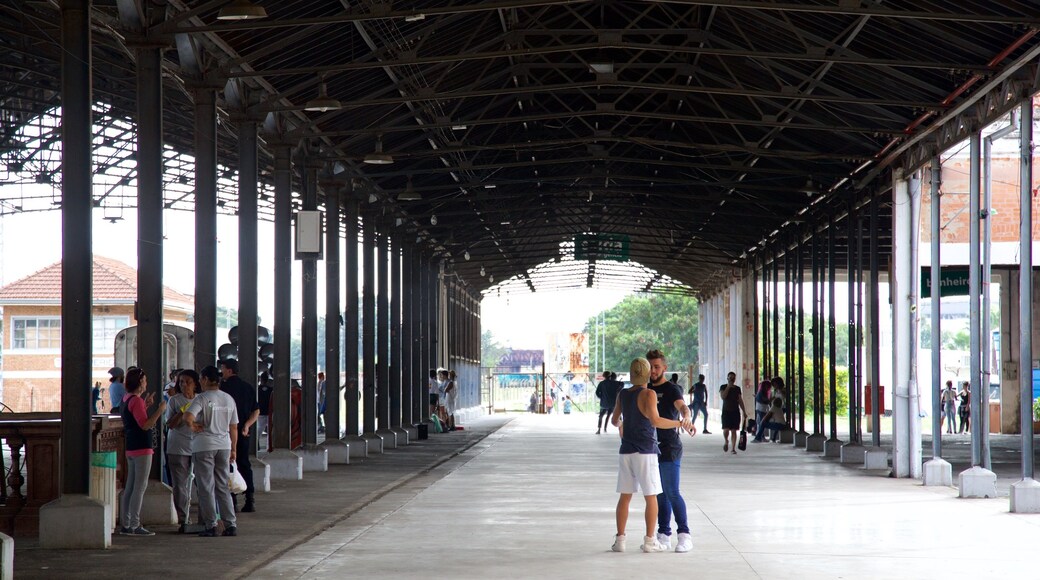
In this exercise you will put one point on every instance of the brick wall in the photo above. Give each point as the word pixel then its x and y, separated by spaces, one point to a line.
pixel 954 209
pixel 42 390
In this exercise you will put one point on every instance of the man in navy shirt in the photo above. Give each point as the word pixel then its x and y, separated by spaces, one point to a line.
pixel 670 405
pixel 248 408
pixel 699 401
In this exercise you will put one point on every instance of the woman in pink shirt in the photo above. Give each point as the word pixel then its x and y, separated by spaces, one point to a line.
pixel 137 427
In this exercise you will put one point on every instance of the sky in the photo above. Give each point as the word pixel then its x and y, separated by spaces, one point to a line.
pixel 520 320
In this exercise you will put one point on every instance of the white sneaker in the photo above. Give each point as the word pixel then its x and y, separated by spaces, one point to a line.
pixel 665 540
pixel 619 543
pixel 652 545
pixel 685 543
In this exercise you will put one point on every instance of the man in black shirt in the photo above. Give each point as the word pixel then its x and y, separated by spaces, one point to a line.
pixel 670 405
pixel 699 401
pixel 607 391
pixel 248 408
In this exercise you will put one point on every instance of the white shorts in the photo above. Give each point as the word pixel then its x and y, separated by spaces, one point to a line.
pixel 638 473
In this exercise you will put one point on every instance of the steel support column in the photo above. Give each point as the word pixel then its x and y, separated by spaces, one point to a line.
pixel 150 223
pixel 409 360
pixel 205 226
pixel 1025 303
pixel 247 258
pixel 309 331
pixel 383 330
pixel 332 312
pixel 800 299
pixel 851 264
pixel 832 367
pixel 352 394
pixel 875 323
pixel 395 359
pixel 776 318
pixel 936 327
pixel 817 338
pixel 76 254
pixel 368 325
pixel 974 294
pixel 281 396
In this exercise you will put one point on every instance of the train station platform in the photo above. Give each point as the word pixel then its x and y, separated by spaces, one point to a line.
pixel 533 496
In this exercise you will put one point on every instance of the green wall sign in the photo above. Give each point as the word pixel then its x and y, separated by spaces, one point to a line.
pixel 953 281
pixel 601 247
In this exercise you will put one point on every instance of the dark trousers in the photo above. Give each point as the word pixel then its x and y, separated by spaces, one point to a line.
pixel 242 462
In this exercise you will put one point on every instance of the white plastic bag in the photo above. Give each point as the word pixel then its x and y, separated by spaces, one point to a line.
pixel 236 483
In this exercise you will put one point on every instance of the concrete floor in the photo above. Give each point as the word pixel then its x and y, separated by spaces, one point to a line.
pixel 536 500
pixel 533 497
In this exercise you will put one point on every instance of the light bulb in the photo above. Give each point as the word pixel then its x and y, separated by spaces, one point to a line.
pixel 482 273
pixel 465 255
pixel 433 220
pixel 491 278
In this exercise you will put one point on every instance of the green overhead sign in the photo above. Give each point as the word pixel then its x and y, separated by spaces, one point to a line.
pixel 952 281
pixel 601 247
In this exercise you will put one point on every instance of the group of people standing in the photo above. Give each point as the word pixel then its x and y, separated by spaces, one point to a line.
pixel 444 396
pixel 956 400
pixel 209 416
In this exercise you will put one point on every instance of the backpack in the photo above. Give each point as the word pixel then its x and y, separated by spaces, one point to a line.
pixel 435 424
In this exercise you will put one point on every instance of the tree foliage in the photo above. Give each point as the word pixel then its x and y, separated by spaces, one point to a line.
pixel 639 323
pixel 490 351
pixel 842 379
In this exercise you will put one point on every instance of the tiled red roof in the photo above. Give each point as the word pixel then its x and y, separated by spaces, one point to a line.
pixel 113 281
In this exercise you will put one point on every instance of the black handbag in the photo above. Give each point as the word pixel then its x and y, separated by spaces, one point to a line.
pixel 742 443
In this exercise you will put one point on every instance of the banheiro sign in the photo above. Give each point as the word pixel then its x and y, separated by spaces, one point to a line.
pixel 953 281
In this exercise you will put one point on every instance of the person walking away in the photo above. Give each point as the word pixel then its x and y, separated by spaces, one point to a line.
pixel 263 395
pixel 137 429
pixel 179 445
pixel 732 412
pixel 248 411
pixel 606 391
pixel 699 402
pixel 949 404
pixel 670 405
pixel 116 389
pixel 964 410
pixel 213 416
pixel 637 460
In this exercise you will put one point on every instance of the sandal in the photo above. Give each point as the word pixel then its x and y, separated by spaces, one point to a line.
pixel 725 447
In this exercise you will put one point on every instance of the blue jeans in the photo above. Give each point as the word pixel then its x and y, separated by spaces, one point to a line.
pixel 670 501
pixel 700 408
pixel 773 427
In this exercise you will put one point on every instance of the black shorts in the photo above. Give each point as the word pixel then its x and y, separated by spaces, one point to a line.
pixel 731 420
pixel 434 398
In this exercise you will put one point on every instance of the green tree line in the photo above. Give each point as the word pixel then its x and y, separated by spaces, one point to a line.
pixel 630 328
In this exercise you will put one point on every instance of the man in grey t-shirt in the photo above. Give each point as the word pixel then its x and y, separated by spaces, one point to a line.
pixel 214 419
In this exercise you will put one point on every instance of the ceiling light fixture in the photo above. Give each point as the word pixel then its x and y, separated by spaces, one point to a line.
pixel 378 157
pixel 433 220
pixel 409 194
pixel 482 272
pixel 241 10
pixel 322 102
pixel 491 278
pixel 459 127
pixel 415 17
pixel 465 255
